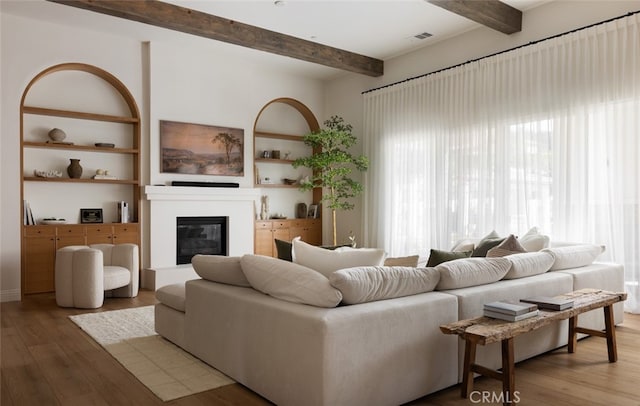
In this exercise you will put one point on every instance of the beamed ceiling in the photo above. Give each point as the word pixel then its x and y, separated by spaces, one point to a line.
pixel 494 14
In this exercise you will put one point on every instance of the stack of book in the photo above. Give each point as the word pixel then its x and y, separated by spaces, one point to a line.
pixel 510 311
pixel 550 303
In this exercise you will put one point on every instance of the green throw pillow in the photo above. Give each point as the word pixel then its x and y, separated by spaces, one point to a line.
pixel 284 250
pixel 485 245
pixel 436 257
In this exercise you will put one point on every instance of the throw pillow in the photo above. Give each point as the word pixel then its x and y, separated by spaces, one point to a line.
pixel 462 273
pixel 532 240
pixel 411 261
pixel 368 284
pixel 485 245
pixel 327 261
pixel 288 281
pixel 284 250
pixel 528 264
pixel 436 257
pixel 573 256
pixel 218 268
pixel 509 246
pixel 464 245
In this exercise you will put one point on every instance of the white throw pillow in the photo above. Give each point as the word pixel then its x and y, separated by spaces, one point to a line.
pixel 461 273
pixel 327 261
pixel 532 240
pixel 574 256
pixel 289 281
pixel 218 268
pixel 368 284
pixel 528 264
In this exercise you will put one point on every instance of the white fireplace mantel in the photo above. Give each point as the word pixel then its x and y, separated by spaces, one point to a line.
pixel 167 203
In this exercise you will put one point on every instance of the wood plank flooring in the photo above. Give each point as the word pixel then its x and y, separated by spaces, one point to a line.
pixel 47 360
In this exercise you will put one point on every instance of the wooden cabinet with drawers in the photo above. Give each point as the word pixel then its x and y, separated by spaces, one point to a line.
pixel 40 243
pixel 267 231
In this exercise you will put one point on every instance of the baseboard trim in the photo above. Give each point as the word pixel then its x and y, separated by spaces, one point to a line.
pixel 10 295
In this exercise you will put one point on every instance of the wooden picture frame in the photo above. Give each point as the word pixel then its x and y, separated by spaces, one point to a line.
pixel 91 216
pixel 201 149
pixel 313 211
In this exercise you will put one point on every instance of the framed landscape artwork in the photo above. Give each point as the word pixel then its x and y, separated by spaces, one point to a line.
pixel 201 149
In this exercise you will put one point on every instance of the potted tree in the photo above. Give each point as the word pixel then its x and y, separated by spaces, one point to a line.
pixel 331 165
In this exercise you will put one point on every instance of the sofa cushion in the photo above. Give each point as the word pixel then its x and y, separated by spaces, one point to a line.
pixel 218 268
pixel 436 257
pixel 172 296
pixel 284 249
pixel 289 281
pixel 411 261
pixel 574 256
pixel 368 284
pixel 509 246
pixel 528 264
pixel 486 243
pixel 532 240
pixel 327 261
pixel 461 273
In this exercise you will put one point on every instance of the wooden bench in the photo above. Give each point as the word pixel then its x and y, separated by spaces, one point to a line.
pixel 485 330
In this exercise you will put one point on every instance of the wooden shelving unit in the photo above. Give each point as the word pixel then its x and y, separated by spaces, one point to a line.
pixel 39 242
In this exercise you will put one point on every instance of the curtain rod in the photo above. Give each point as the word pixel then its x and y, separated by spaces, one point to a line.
pixel 502 52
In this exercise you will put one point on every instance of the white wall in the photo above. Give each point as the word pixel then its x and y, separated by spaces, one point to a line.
pixel 344 94
pixel 190 80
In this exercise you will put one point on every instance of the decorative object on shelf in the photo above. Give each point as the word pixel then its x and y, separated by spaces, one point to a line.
pixel 201 149
pixel 104 175
pixel 52 220
pixel 123 212
pixel 301 210
pixel 90 216
pixel 57 135
pixel 47 174
pixel 266 154
pixel 264 207
pixel 104 145
pixel 275 154
pixel 288 181
pixel 74 169
pixel 287 154
pixel 332 165
pixel 279 216
pixel 313 211
pixel 266 181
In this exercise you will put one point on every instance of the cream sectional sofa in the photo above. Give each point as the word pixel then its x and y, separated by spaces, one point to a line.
pixel 380 352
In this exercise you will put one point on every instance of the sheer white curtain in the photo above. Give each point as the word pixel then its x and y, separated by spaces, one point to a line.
pixel 545 135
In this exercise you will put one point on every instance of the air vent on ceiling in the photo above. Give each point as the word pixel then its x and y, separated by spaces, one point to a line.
pixel 423 35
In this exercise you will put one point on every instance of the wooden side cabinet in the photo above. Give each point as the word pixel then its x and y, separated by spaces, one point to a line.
pixel 41 242
pixel 267 231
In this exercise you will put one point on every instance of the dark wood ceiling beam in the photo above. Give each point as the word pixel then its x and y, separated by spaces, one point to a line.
pixel 492 13
pixel 194 22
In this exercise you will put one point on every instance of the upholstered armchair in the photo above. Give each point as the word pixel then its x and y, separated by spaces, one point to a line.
pixel 84 273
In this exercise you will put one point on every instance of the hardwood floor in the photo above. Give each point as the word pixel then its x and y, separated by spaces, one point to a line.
pixel 47 360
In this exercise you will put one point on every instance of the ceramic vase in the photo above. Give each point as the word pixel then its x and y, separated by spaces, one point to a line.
pixel 74 169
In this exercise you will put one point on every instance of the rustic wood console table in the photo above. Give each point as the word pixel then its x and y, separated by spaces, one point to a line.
pixel 485 330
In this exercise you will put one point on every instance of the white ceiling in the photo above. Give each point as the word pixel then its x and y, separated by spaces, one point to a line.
pixel 381 29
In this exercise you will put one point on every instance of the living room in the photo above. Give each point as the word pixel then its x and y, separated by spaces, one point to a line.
pixel 188 79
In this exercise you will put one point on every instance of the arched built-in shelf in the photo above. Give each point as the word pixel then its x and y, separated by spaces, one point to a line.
pixel 40 241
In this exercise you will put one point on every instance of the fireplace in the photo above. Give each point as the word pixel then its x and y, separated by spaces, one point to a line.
pixel 200 235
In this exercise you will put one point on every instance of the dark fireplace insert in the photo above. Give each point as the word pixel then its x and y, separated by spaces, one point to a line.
pixel 200 235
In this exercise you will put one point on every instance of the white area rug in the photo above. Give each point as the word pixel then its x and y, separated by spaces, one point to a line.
pixel 168 371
